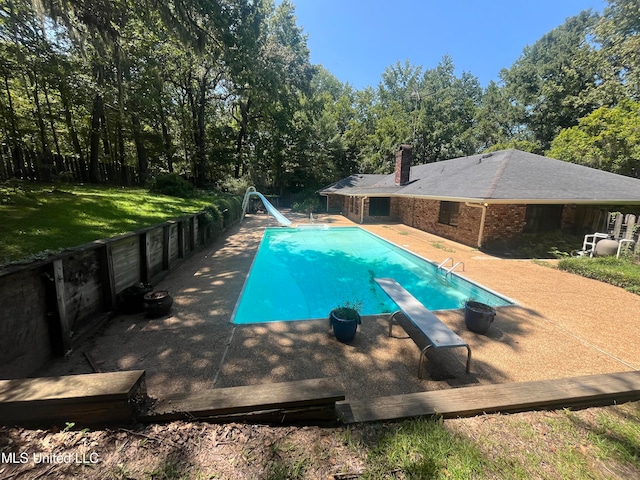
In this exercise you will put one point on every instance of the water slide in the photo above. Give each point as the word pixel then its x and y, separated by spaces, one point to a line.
pixel 281 219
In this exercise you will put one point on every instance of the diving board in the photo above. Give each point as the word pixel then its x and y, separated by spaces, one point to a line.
pixel 425 329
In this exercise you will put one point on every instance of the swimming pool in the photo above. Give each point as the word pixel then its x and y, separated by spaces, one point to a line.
pixel 303 273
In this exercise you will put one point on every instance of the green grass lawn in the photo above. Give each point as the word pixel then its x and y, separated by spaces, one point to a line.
pixel 622 272
pixel 40 218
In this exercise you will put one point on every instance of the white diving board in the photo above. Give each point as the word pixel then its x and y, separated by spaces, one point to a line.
pixel 424 328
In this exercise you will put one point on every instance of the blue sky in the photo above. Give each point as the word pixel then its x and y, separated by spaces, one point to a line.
pixel 357 39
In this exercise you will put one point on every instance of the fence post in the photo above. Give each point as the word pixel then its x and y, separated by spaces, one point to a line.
pixel 144 256
pixel 58 277
pixel 107 278
pixel 166 230
pixel 192 234
pixel 181 238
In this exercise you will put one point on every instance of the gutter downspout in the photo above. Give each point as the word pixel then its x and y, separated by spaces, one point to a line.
pixel 483 206
pixel 362 210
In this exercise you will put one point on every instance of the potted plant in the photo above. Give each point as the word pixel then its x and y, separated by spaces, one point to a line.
pixel 344 320
pixel 157 303
pixel 478 316
pixel 131 299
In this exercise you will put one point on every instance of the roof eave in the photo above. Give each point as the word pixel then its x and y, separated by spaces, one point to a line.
pixel 494 201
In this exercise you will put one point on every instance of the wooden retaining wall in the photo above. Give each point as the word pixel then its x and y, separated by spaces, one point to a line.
pixel 48 306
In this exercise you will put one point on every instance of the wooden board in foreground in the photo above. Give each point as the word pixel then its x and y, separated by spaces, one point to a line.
pixel 304 400
pixel 91 399
pixel 575 392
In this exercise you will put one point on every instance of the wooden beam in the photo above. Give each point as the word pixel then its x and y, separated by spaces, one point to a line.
pixel 90 399
pixel 192 233
pixel 58 277
pixel 166 230
pixel 284 401
pixel 575 392
pixel 181 238
pixel 144 256
pixel 107 277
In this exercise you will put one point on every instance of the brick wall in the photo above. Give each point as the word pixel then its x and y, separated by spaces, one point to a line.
pixel 503 222
pixel 423 214
pixel 335 203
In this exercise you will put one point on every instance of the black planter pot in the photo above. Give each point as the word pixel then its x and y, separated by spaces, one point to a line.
pixel 478 317
pixel 344 322
pixel 131 299
pixel 157 303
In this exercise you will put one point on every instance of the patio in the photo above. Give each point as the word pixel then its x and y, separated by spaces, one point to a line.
pixel 563 326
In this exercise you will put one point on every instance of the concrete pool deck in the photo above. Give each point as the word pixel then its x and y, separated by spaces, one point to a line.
pixel 563 326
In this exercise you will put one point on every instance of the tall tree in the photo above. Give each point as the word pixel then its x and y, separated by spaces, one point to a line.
pixel 548 81
pixel 608 139
pixel 618 33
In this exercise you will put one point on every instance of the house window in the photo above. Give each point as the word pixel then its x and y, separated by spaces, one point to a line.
pixel 379 206
pixel 543 218
pixel 449 213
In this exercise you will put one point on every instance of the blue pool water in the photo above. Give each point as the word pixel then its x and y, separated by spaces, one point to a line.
pixel 303 273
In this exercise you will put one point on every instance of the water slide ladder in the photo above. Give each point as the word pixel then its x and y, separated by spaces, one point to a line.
pixel 273 211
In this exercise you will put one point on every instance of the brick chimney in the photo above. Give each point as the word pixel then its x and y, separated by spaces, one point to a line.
pixel 404 156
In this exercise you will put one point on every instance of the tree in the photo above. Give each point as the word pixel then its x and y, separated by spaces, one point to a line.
pixel 608 139
pixel 618 59
pixel 548 83
pixel 447 114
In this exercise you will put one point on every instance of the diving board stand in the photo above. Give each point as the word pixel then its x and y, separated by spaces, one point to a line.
pixel 424 328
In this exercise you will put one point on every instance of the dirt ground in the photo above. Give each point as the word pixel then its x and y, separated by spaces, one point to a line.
pixel 562 325
pixel 183 450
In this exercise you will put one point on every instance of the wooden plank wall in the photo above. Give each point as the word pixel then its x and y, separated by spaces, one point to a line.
pixel 125 256
pixel 25 341
pixel 49 304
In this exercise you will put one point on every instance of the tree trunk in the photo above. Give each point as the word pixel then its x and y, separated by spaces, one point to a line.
pixel 166 137
pixel 94 152
pixel 122 160
pixel 73 134
pixel 52 124
pixel 15 139
pixel 201 146
pixel 242 134
pixel 197 113
pixel 41 127
pixel 143 167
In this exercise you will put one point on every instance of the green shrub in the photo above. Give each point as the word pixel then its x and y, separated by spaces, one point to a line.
pixel 234 186
pixel 172 184
pixel 308 205
pixel 231 208
pixel 537 245
pixel 210 223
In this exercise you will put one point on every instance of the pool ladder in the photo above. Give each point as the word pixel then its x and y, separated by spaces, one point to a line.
pixel 447 272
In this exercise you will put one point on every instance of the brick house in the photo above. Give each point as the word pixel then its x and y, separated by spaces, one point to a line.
pixel 489 197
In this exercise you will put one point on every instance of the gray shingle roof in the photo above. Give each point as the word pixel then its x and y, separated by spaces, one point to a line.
pixel 507 175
